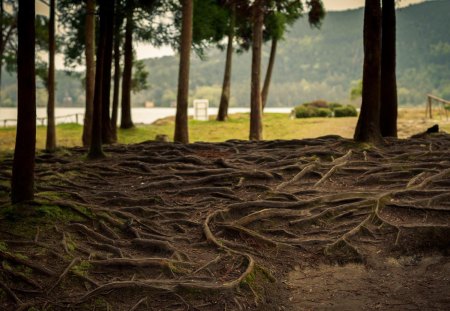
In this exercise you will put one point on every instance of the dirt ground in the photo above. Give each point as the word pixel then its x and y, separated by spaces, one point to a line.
pixel 314 224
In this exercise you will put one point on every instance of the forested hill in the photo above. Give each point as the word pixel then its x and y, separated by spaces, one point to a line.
pixel 314 64
pixel 311 64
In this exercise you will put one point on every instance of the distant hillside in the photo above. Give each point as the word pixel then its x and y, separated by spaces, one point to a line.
pixel 314 64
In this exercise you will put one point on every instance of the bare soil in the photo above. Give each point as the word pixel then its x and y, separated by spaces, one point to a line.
pixel 311 224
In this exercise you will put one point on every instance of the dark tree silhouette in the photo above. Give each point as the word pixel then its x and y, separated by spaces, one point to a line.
pixel 368 126
pixel 117 70
pixel 126 120
pixel 107 137
pixel 50 144
pixel 22 184
pixel 181 119
pixel 106 19
pixel 255 98
pixel 1 45
pixel 222 114
pixel 388 100
pixel 90 70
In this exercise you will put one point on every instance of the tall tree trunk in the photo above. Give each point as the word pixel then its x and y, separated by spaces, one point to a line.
pixel 388 109
pixel 107 137
pixel 22 183
pixel 222 114
pixel 368 127
pixel 126 121
pixel 265 91
pixel 1 45
pixel 50 144
pixel 117 73
pixel 90 71
pixel 181 119
pixel 95 148
pixel 255 99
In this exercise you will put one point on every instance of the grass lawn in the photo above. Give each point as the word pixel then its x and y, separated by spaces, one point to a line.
pixel 276 126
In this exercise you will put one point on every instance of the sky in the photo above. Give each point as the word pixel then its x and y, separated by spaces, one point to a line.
pixel 147 51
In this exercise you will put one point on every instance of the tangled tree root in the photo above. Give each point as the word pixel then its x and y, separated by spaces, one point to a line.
pixel 170 220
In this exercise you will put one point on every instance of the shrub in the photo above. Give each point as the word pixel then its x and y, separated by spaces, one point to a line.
pixel 333 106
pixel 347 111
pixel 317 104
pixel 323 113
pixel 303 112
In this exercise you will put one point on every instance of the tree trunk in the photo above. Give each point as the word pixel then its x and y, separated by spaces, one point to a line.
pixel 107 137
pixel 1 46
pixel 388 109
pixel 368 127
pixel 95 149
pixel 265 91
pixel 50 144
pixel 90 71
pixel 126 121
pixel 255 99
pixel 222 115
pixel 22 183
pixel 117 73
pixel 181 119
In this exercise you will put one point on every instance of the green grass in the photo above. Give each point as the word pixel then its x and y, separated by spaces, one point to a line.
pixel 276 126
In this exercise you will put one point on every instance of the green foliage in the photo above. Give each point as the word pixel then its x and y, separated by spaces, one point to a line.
pixel 140 75
pixel 347 111
pixel 356 91
pixel 322 109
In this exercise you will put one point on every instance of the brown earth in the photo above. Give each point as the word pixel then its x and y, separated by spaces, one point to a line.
pixel 315 224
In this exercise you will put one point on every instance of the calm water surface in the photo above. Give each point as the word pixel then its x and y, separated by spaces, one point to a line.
pixel 140 115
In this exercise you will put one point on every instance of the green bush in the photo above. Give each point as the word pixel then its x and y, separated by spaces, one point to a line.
pixel 304 111
pixel 347 111
pixel 333 106
pixel 323 113
pixel 317 104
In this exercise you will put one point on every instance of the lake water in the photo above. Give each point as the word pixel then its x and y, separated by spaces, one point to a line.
pixel 140 115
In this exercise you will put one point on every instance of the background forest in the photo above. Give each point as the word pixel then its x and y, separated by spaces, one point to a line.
pixel 310 64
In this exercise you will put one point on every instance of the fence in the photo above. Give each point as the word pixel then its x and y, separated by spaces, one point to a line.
pixel 444 106
pixel 70 118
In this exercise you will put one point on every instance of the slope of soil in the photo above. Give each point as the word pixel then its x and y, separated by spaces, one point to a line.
pixel 276 225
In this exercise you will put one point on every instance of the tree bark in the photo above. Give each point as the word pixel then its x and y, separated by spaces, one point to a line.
pixel 50 144
pixel 90 71
pixel 95 149
pixel 389 104
pixel 1 46
pixel 222 114
pixel 265 91
pixel 107 137
pixel 22 183
pixel 255 99
pixel 181 119
pixel 117 73
pixel 126 121
pixel 368 127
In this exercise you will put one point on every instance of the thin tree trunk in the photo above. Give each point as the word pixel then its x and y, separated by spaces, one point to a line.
pixel 1 46
pixel 90 71
pixel 368 127
pixel 265 91
pixel 107 137
pixel 50 144
pixel 126 121
pixel 222 114
pixel 388 109
pixel 255 99
pixel 181 119
pixel 117 73
pixel 95 149
pixel 22 183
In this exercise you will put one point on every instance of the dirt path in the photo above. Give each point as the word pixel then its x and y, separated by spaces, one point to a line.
pixel 160 226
